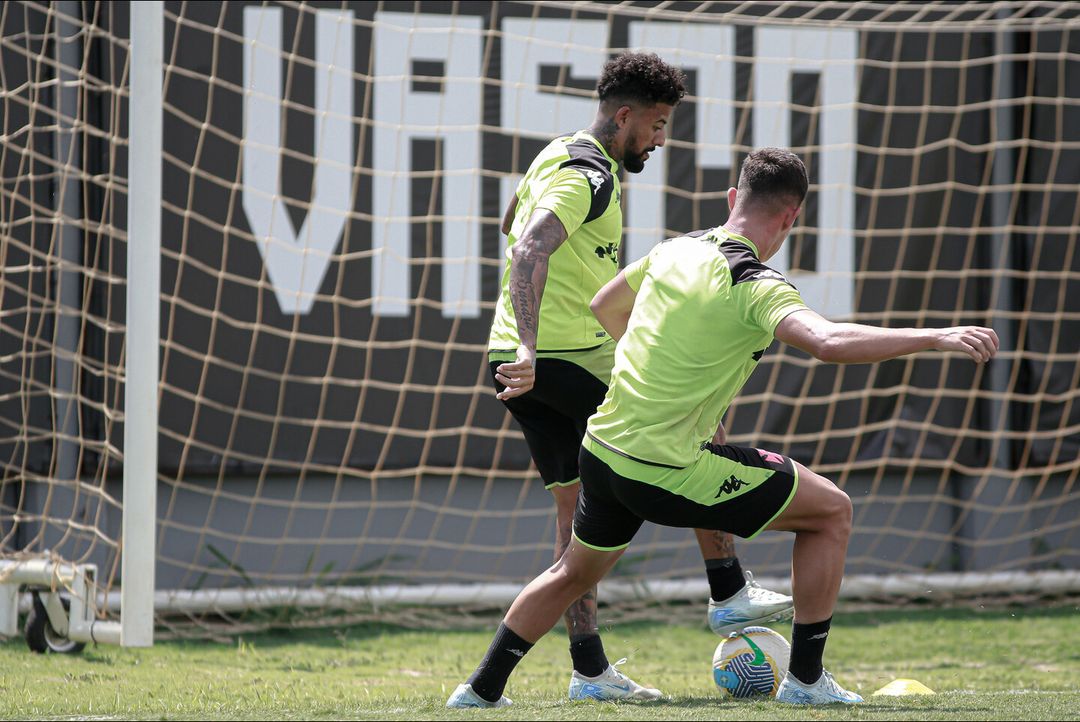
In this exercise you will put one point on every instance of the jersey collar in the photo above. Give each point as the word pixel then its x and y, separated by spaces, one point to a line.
pixel 720 230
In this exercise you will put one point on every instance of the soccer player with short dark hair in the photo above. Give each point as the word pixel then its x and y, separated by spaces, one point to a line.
pixel 692 318
pixel 551 359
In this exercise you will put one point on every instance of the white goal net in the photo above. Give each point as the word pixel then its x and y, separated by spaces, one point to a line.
pixel 333 177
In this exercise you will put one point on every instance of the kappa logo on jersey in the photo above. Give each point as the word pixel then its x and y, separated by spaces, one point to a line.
pixel 595 178
pixel 611 251
pixel 730 486
pixel 768 273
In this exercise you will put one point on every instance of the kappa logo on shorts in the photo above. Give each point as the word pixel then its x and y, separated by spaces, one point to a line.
pixel 730 486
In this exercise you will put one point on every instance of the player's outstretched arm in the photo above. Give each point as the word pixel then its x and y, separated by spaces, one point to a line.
pixel 612 305
pixel 543 234
pixel 857 343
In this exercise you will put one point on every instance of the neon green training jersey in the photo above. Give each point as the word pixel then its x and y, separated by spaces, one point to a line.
pixel 574 178
pixel 705 311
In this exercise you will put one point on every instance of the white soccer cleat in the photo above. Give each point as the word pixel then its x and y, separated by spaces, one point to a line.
pixel 824 691
pixel 609 686
pixel 753 604
pixel 464 698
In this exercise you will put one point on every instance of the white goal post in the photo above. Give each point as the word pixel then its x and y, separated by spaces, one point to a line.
pixel 135 627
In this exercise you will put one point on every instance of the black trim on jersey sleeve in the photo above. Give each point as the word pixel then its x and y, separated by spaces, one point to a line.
pixel 591 162
pixel 745 266
pixel 691 234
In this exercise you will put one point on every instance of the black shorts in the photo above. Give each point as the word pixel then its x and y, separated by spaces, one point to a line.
pixel 553 415
pixel 611 508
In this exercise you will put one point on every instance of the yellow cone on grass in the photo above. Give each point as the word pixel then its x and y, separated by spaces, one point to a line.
pixel 899 687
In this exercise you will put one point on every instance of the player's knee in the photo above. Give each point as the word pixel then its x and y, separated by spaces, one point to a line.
pixel 839 512
pixel 834 510
pixel 575 578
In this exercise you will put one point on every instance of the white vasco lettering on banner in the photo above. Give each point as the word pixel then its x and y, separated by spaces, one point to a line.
pixel 296 261
pixel 402 115
pixel 779 52
pixel 529 43
pixel 709 51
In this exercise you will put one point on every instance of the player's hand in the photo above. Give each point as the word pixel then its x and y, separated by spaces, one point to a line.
pixel 978 342
pixel 518 376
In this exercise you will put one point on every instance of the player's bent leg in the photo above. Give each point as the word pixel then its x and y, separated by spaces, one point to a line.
pixel 735 599
pixel 820 515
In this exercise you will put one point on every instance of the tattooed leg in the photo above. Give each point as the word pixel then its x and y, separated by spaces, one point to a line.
pixel 586 647
pixel 721 565
pixel 715 544
pixel 581 615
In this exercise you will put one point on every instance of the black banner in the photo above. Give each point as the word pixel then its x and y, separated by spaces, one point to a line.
pixel 250 386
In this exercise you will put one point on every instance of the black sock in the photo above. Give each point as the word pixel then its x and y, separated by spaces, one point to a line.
pixel 725 577
pixel 506 650
pixel 587 651
pixel 807 647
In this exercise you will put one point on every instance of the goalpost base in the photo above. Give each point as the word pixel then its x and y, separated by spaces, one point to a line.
pixel 48 577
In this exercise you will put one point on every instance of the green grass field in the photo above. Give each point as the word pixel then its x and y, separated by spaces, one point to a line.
pixel 1021 663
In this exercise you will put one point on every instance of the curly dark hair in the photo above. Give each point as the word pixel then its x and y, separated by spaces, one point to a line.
pixel 641 77
pixel 773 174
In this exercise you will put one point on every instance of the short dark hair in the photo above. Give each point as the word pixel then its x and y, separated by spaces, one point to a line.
pixel 772 175
pixel 641 77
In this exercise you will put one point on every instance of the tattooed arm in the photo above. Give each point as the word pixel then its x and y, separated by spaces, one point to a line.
pixel 528 275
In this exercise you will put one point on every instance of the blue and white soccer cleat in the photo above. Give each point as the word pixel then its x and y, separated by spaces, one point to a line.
pixel 464 698
pixel 609 686
pixel 753 604
pixel 824 691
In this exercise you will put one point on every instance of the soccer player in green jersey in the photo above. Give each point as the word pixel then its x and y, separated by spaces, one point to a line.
pixel 692 319
pixel 551 359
